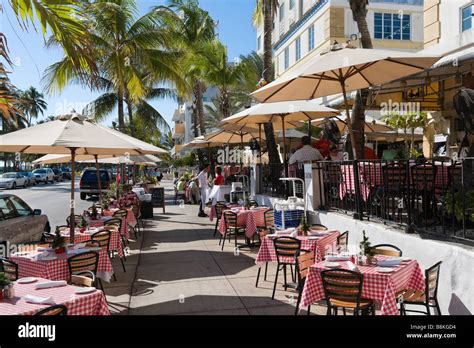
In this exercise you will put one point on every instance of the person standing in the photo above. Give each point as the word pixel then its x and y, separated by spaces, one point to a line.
pixel 306 152
pixel 219 179
pixel 202 179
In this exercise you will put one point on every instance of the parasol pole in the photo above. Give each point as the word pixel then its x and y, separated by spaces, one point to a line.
pixel 284 145
pixel 99 186
pixel 260 141
pixel 72 220
pixel 349 123
pixel 241 151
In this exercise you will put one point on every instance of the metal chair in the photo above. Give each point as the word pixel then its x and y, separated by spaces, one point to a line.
pixel 269 227
pixel 253 203
pixel 319 227
pixel 286 250
pixel 231 228
pixel 427 298
pixel 343 289
pixel 9 268
pixel 86 261
pixel 77 220
pixel 387 250
pixel 343 241
pixel 85 279
pixel 53 310
pixel 220 207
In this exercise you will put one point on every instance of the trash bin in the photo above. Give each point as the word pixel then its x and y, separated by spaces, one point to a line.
pixel 146 209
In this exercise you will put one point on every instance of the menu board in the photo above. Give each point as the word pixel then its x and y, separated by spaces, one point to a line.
pixel 158 197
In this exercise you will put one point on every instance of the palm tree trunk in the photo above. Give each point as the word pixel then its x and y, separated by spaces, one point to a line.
pixel 359 12
pixel 130 113
pixel 121 117
pixel 198 95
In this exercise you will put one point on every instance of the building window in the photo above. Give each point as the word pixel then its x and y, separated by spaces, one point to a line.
pixel 259 42
pixel 392 26
pixel 298 48
pixel 467 18
pixel 282 11
pixel 292 4
pixel 311 38
pixel 287 58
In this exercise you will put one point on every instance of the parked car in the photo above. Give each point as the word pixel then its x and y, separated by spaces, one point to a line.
pixel 58 174
pixel 30 178
pixel 66 173
pixel 88 185
pixel 19 223
pixel 44 175
pixel 12 180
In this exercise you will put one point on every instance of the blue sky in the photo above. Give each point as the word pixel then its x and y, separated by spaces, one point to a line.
pixel 31 58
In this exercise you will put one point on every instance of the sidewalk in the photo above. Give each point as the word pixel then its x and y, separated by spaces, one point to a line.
pixel 177 267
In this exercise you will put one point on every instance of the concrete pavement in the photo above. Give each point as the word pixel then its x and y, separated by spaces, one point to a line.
pixel 177 267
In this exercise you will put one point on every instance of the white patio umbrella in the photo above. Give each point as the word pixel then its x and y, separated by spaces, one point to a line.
pixel 287 113
pixel 134 159
pixel 342 70
pixel 73 134
pixel 371 124
pixel 200 143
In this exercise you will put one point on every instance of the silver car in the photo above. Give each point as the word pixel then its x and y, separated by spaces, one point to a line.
pixel 13 180
pixel 19 223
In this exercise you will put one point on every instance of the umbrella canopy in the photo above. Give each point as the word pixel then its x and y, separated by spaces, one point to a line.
pixel 232 135
pixel 74 131
pixel 134 159
pixel 371 124
pixel 73 134
pixel 342 70
pixel 291 134
pixel 200 143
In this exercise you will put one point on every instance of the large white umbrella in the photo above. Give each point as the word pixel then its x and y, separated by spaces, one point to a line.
pixel 73 134
pixel 286 113
pixel 133 159
pixel 371 124
pixel 343 70
pixel 200 143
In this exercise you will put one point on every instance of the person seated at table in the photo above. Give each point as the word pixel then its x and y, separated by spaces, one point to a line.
pixel 192 193
pixel 323 145
pixel 335 154
pixel 306 152
pixel 219 179
pixel 181 186
pixel 369 154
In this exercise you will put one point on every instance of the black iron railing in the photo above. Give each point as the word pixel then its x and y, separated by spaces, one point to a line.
pixel 434 196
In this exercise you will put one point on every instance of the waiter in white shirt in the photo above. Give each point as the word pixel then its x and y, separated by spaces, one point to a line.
pixel 202 179
pixel 306 153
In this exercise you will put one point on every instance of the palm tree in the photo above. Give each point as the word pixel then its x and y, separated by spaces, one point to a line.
pixel 359 13
pixel 265 11
pixel 32 104
pixel 192 29
pixel 9 109
pixel 132 55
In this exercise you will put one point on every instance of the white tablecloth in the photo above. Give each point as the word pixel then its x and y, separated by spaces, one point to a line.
pixel 217 193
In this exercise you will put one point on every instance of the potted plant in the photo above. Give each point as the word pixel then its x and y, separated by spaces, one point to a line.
pixel 59 243
pixel 4 282
pixel 304 226
pixel 366 248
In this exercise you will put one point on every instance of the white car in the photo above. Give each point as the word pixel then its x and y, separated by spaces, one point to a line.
pixel 13 180
pixel 44 175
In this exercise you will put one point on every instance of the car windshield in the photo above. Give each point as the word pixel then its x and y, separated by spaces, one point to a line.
pixel 21 207
pixel 40 171
pixel 91 175
pixel 9 175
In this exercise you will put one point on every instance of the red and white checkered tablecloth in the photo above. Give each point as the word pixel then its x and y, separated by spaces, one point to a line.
pixel 125 222
pixel 30 266
pixel 115 240
pixel 251 219
pixel 92 303
pixel 318 245
pixel 371 176
pixel 380 287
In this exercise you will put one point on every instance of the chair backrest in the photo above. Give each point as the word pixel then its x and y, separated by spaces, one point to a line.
pixel 394 176
pixel 220 207
pixel 9 268
pixel 230 219
pixel 286 247
pixel 342 285
pixel 319 227
pixel 387 250
pixel 136 210
pixel 103 238
pixel 423 177
pixel 77 220
pixel 53 310
pixel 343 241
pixel 117 222
pixel 431 281
pixel 253 203
pixel 269 217
pixel 121 213
pixel 304 262
pixel 86 278
pixel 86 261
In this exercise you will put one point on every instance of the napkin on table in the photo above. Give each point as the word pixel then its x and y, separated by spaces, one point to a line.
pixel 50 284
pixel 332 258
pixel 79 246
pixel 39 300
pixel 389 262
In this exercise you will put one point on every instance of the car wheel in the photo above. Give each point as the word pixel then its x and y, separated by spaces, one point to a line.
pixel 14 186
pixel 47 227
pixel 83 196
pixel 25 185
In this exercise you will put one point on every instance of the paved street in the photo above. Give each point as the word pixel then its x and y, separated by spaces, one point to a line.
pixel 52 199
